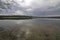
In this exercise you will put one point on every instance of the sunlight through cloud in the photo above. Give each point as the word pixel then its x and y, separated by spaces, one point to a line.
pixel 24 3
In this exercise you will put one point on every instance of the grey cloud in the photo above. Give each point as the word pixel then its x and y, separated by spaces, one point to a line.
pixel 9 8
pixel 37 7
pixel 46 8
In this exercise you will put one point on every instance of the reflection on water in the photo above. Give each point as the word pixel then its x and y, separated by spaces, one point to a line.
pixel 32 29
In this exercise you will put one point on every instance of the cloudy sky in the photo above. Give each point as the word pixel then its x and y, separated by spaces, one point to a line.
pixel 30 7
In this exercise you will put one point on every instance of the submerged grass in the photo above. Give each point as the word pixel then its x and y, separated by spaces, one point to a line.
pixel 31 31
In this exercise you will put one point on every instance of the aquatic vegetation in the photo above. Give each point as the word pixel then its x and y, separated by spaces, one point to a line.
pixel 30 30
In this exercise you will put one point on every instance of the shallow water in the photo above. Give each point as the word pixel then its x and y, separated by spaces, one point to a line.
pixel 32 29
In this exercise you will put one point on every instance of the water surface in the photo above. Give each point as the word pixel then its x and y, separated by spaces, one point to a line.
pixel 30 29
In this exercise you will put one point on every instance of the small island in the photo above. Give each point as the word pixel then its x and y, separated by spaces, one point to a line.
pixel 15 17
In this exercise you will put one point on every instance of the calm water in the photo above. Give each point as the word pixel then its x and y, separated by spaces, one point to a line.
pixel 32 29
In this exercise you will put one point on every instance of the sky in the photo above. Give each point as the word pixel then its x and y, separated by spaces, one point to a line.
pixel 30 7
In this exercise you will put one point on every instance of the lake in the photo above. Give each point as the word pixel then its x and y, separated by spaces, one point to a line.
pixel 30 29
